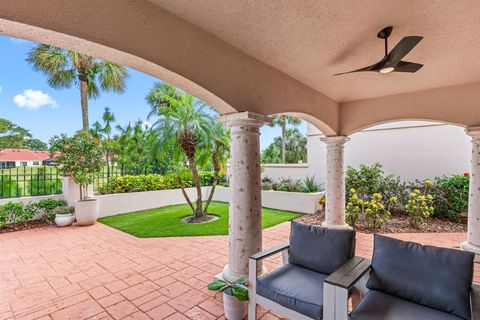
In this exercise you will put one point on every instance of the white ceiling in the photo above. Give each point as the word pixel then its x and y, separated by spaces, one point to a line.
pixel 312 39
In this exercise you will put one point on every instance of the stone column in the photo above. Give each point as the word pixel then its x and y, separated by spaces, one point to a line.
pixel 335 183
pixel 473 233
pixel 245 213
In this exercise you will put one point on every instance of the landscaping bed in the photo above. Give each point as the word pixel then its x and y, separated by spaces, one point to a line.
pixel 397 224
pixel 32 224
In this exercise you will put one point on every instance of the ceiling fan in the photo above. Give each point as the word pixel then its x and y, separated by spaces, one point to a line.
pixel 392 62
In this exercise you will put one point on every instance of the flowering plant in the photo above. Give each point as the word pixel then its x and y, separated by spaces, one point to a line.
pixel 354 207
pixel 419 205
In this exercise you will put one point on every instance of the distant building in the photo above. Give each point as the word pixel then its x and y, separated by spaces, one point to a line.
pixel 11 158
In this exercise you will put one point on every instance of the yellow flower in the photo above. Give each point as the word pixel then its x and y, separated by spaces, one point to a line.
pixel 352 190
pixel 422 198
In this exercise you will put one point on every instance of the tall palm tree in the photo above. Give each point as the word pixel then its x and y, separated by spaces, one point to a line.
pixel 182 122
pixel 282 121
pixel 65 68
pixel 108 118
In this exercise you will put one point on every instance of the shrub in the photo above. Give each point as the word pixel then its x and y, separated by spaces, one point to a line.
pixel 63 210
pixel 267 183
pixel 48 206
pixel 419 205
pixel 310 185
pixel 290 185
pixel 152 182
pixel 450 196
pixel 375 211
pixel 368 180
pixel 16 212
pixel 354 207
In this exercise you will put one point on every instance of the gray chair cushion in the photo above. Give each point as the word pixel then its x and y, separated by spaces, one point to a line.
pixel 320 249
pixel 377 305
pixel 295 288
pixel 438 278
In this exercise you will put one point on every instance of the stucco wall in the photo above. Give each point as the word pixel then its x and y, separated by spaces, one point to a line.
pixel 410 149
pixel 114 204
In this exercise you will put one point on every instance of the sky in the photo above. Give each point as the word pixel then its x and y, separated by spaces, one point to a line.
pixel 28 101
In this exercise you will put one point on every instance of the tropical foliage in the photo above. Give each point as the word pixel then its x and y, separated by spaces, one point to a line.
pixel 282 121
pixel 80 157
pixel 187 133
pixel 65 68
pixel 15 137
pixel 294 144
pixel 16 212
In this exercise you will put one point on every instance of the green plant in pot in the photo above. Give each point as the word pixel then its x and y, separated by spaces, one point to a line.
pixel 235 297
pixel 80 158
pixel 64 216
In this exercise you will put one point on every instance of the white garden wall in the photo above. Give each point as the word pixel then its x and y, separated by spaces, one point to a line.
pixel 27 200
pixel 114 204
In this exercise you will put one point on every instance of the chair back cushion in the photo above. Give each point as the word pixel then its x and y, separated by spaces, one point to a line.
pixel 438 278
pixel 320 249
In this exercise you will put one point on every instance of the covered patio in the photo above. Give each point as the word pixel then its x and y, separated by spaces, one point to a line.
pixel 102 273
pixel 248 64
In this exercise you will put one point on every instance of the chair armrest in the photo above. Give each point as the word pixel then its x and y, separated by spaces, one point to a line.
pixel 347 275
pixel 270 252
pixel 475 297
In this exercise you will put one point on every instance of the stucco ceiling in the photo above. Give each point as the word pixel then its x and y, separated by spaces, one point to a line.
pixel 312 39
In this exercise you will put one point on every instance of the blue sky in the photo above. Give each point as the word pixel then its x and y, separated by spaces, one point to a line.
pixel 27 100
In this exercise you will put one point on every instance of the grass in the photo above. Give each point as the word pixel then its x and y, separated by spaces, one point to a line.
pixel 165 222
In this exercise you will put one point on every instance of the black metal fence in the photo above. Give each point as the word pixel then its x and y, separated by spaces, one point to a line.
pixel 106 174
pixel 29 181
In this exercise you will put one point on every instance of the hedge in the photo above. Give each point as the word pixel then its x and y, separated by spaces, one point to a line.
pixel 153 182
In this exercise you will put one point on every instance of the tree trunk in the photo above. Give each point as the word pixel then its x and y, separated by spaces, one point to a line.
pixel 84 100
pixel 284 134
pixel 108 163
pixel 180 182
pixel 212 191
pixel 198 213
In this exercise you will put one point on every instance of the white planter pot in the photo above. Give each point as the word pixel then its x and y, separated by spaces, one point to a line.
pixel 64 220
pixel 86 212
pixel 234 309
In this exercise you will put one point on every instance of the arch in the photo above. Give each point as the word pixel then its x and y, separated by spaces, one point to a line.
pixel 457 105
pixel 439 122
pixel 144 36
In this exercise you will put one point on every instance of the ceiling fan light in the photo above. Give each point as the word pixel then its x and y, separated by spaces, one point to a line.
pixel 387 70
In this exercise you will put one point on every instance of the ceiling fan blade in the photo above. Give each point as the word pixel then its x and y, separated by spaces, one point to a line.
pixel 405 66
pixel 369 68
pixel 401 50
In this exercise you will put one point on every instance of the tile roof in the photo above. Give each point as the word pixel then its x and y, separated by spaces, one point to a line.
pixel 23 154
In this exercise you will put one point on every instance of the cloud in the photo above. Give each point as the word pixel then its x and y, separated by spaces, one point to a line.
pixel 34 99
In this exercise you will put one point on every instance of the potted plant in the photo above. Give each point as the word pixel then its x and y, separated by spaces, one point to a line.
pixel 64 216
pixel 235 297
pixel 80 157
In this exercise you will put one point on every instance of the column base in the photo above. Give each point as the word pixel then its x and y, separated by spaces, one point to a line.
pixel 325 224
pixel 230 276
pixel 467 246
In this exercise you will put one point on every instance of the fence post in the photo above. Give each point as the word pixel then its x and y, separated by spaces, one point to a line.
pixel 71 190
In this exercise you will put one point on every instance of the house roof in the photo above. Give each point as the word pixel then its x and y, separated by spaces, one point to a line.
pixel 23 154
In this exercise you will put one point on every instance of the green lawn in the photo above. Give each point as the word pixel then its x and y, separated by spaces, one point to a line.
pixel 165 222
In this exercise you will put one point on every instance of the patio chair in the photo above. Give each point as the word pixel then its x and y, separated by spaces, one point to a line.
pixel 407 280
pixel 296 289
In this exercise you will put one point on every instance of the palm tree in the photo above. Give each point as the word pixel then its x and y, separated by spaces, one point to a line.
pixel 182 122
pixel 282 121
pixel 108 118
pixel 65 68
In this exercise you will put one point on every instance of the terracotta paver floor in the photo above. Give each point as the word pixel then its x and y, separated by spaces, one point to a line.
pixel 100 273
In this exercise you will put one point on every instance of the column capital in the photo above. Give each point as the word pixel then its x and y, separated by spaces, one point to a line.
pixel 246 118
pixel 335 140
pixel 473 132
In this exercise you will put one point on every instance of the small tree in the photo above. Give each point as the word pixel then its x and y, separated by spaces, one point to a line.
pixel 80 157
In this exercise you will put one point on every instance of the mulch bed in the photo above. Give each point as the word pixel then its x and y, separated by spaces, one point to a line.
pixel 25 226
pixel 397 224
